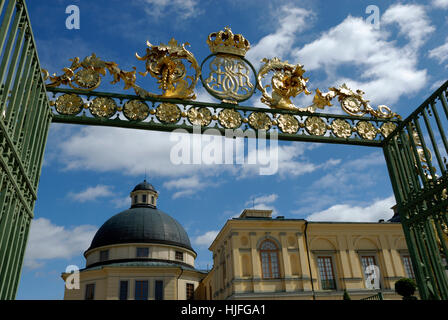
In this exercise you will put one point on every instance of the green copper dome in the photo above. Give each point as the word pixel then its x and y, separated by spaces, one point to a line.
pixel 141 225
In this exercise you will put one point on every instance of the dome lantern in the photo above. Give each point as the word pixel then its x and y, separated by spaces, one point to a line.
pixel 144 195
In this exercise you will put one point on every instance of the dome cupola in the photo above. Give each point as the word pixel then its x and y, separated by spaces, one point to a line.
pixel 144 195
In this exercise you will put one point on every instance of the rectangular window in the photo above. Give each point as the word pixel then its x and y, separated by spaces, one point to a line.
pixel 90 291
pixel 326 273
pixel 123 290
pixel 144 198
pixel 158 291
pixel 179 256
pixel 142 252
pixel 104 255
pixel 152 199
pixel 135 199
pixel 141 290
pixel 408 267
pixel 190 291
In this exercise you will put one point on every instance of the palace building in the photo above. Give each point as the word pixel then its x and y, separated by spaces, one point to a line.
pixel 144 254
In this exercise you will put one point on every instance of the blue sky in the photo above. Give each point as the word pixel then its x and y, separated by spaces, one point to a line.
pixel 88 172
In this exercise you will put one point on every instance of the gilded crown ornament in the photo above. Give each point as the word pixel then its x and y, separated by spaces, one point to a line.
pixel 229 74
pixel 225 41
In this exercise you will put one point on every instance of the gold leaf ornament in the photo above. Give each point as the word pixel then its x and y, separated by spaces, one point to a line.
pixel 260 121
pixel 199 116
pixel 288 123
pixel 366 130
pixel 103 107
pixel 230 119
pixel 69 104
pixel 168 113
pixel 315 126
pixel 136 110
pixel 341 128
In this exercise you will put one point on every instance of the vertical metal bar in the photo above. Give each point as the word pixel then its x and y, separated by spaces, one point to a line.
pixel 22 254
pixel 12 107
pixel 12 64
pixel 439 125
pixel 435 260
pixel 425 149
pixel 6 22
pixel 7 259
pixel 444 104
pixel 15 255
pixel 41 149
pixel 401 169
pixel 409 161
pixel 416 259
pixel 426 261
pixel 23 99
pixel 30 123
pixel 433 141
pixel 416 156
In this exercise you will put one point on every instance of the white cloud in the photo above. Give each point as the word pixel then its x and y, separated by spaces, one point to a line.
pixel 412 20
pixel 206 239
pixel 263 202
pixel 440 3
pixel 92 193
pixel 278 44
pixel 440 53
pixel 379 209
pixel 386 71
pixel 134 151
pixel 48 241
pixel 186 186
pixel 181 8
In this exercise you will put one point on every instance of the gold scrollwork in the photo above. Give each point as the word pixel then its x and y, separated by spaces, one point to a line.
pixel 168 113
pixel 288 123
pixel 69 104
pixel 341 128
pixel 260 121
pixel 163 62
pixel 103 107
pixel 315 126
pixel 136 110
pixel 230 119
pixel 287 82
pixel 200 116
pixel 351 102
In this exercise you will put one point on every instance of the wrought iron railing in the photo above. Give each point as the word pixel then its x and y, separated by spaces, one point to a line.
pixel 378 296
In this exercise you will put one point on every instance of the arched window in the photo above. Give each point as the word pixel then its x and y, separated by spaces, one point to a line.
pixel 269 260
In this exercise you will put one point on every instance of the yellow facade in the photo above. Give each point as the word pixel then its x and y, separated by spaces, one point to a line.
pixel 299 246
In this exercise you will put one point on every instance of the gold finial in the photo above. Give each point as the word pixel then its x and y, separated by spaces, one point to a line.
pixel 227 42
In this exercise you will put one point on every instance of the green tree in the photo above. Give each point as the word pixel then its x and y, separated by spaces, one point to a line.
pixel 406 287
